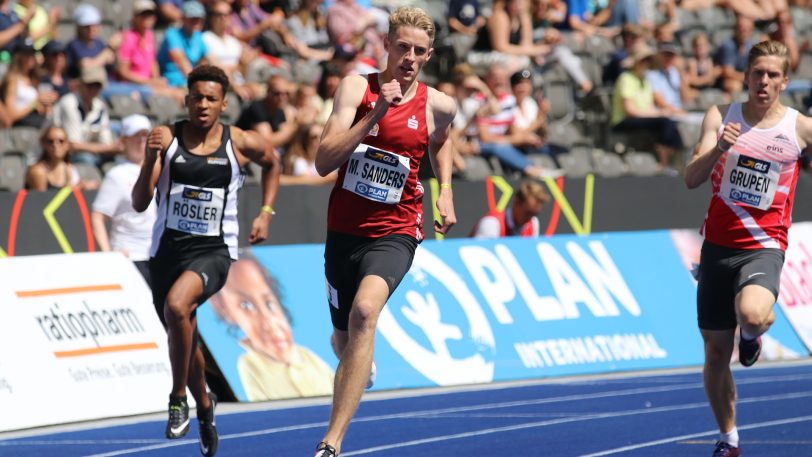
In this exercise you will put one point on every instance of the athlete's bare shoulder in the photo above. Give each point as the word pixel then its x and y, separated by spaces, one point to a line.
pixel 443 107
pixel 803 128
pixel 351 90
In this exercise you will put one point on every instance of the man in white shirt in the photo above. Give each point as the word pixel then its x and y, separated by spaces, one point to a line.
pixel 130 231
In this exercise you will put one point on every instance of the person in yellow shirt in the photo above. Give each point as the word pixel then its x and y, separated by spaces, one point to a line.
pixel 273 366
pixel 633 108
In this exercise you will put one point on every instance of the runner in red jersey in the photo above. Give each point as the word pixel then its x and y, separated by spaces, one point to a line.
pixel 376 135
pixel 751 152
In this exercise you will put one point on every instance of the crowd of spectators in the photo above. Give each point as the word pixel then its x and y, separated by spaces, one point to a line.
pixel 536 80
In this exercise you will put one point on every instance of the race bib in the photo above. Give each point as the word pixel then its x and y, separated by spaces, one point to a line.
pixel 750 181
pixel 376 174
pixel 196 210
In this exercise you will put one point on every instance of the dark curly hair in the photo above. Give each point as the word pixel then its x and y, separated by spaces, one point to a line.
pixel 208 73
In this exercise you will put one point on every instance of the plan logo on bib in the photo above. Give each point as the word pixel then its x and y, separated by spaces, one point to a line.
pixel 447 344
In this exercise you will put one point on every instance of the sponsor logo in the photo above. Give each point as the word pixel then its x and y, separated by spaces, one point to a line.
pixel 373 131
pixel 782 137
pixel 745 197
pixel 371 192
pixel 217 161
pixel 180 159
pixel 751 163
pixel 412 123
pixel 755 274
pixel 773 148
pixel 197 194
pixel 193 226
pixel 383 157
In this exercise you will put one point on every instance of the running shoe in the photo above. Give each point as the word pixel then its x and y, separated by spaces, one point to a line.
pixel 725 450
pixel 749 350
pixel 178 424
pixel 325 450
pixel 373 373
pixel 207 429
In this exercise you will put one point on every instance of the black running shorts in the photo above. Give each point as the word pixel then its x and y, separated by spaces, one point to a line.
pixel 724 272
pixel 167 266
pixel 348 259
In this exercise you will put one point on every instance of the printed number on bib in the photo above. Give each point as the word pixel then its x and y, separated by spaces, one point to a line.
pixel 196 210
pixel 750 181
pixel 376 174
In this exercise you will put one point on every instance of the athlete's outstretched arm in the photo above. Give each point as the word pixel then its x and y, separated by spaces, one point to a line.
pixel 709 149
pixel 443 109
pixel 144 188
pixel 340 137
pixel 251 146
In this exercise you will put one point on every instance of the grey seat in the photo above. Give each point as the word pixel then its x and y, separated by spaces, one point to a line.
pixel 641 164
pixel 476 168
pixel 543 161
pixel 24 138
pixel 124 105
pixel 577 162
pixel 164 108
pixel 608 164
pixel 12 170
pixel 88 172
pixel 564 134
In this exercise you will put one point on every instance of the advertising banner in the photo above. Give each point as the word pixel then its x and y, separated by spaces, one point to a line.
pixel 795 296
pixel 473 311
pixel 79 340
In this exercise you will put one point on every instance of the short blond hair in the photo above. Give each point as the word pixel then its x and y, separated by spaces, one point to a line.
pixel 532 189
pixel 769 48
pixel 407 16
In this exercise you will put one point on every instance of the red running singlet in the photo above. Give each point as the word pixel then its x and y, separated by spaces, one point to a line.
pixel 377 192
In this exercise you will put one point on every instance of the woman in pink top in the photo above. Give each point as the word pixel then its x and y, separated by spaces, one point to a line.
pixel 137 56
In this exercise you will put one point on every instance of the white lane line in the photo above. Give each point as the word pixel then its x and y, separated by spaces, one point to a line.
pixel 576 397
pixel 791 420
pixel 78 442
pixel 611 415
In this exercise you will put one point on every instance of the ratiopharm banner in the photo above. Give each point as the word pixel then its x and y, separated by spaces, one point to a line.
pixel 474 311
pixel 79 340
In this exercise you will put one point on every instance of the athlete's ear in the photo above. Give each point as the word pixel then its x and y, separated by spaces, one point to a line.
pixel 784 83
pixel 386 42
pixel 429 54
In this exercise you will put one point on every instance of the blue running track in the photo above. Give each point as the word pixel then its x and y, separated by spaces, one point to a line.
pixel 662 414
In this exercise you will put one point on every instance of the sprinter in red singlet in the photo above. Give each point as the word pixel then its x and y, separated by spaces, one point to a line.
pixel 751 151
pixel 380 127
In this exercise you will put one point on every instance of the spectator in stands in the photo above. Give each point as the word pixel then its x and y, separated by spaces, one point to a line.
pixel 137 67
pixel 701 72
pixel 498 136
pixel 465 19
pixel 52 170
pixel 652 13
pixel 273 366
pixel 520 218
pixel 782 30
pixel 633 108
pixel 183 47
pixel 5 118
pixel 667 83
pixel 42 26
pixel 531 113
pixel 26 104
pixel 632 35
pixel 273 117
pixel 170 11
pixel 299 161
pixel 130 231
pixel 306 102
pixel 546 14
pixel 509 36
pixel 13 28
pixel 326 90
pixel 54 68
pixel 87 49
pixel 590 19
pixel 227 52
pixel 459 146
pixel 309 25
pixel 351 25
pixel 732 56
pixel 86 120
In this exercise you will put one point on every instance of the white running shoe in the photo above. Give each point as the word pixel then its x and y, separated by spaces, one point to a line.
pixel 373 372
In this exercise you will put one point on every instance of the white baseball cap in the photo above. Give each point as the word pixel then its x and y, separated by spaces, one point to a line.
pixel 135 123
pixel 86 14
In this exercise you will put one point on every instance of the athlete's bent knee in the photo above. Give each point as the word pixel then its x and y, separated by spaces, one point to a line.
pixel 364 315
